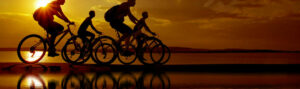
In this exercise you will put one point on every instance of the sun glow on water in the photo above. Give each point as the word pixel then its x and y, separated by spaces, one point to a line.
pixel 33 81
pixel 32 57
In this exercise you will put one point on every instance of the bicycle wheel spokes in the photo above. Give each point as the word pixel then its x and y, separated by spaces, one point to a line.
pixel 107 39
pixel 72 53
pixel 105 54
pixel 127 55
pixel 157 53
pixel 127 81
pixel 31 49
pixel 167 55
pixel 31 81
pixel 148 44
pixel 76 81
pixel 104 81
pixel 145 55
pixel 76 51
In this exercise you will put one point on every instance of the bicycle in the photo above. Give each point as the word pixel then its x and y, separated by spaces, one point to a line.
pixel 144 44
pixel 152 50
pixel 32 48
pixel 117 52
pixel 100 44
pixel 34 81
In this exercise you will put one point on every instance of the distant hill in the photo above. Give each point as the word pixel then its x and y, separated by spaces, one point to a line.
pixel 8 49
pixel 193 50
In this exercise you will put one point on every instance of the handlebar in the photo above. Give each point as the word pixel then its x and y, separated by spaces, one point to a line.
pixel 157 35
pixel 69 24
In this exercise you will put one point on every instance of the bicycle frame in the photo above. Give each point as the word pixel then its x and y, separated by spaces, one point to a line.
pixel 65 32
pixel 139 41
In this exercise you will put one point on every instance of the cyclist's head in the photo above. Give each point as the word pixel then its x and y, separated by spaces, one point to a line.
pixel 61 2
pixel 131 2
pixel 145 14
pixel 92 13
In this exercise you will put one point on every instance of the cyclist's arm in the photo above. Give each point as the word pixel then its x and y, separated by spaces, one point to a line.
pixel 147 28
pixel 93 27
pixel 62 15
pixel 132 18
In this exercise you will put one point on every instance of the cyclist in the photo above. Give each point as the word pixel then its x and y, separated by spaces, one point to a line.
pixel 82 32
pixel 140 24
pixel 116 15
pixel 45 18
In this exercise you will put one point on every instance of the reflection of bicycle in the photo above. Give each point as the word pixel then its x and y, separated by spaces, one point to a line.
pixel 155 80
pixel 127 80
pixel 104 81
pixel 31 81
pixel 76 81
pixel 32 48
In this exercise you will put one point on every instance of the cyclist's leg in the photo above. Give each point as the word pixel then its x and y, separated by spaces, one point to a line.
pixel 138 36
pixel 119 26
pixel 126 31
pixel 85 34
pixel 53 30
pixel 90 34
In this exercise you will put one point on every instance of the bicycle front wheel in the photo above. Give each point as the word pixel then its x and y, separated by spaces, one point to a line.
pixel 31 49
pixel 105 54
pixel 145 55
pixel 160 54
pixel 76 50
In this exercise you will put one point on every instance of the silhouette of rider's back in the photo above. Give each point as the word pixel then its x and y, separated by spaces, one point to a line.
pixel 45 18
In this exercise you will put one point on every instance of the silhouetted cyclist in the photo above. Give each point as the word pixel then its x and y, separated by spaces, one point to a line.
pixel 45 18
pixel 82 32
pixel 116 15
pixel 140 25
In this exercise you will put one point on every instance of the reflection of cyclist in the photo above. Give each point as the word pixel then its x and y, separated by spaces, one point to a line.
pixel 45 18
pixel 82 32
pixel 116 18
pixel 140 24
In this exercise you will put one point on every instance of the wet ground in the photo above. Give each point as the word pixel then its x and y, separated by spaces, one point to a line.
pixel 91 76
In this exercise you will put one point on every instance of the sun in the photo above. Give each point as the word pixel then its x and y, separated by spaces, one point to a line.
pixel 42 3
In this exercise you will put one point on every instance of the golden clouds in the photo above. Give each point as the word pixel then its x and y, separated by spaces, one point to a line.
pixel 190 23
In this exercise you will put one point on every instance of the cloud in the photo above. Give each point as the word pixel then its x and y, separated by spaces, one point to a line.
pixel 100 8
pixel 114 1
pixel 14 13
pixel 253 9
pixel 15 26
pixel 160 21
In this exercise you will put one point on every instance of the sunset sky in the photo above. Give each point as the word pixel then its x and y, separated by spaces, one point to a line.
pixel 209 24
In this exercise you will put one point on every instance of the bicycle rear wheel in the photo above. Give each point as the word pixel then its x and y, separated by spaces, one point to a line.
pixel 76 50
pixel 31 49
pixel 128 57
pixel 105 54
